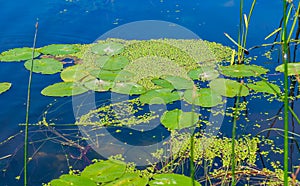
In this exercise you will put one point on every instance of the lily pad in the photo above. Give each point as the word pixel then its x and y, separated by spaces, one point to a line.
pixel 128 88
pixel 115 63
pixel 228 88
pixel 129 179
pixel 72 180
pixel 171 179
pixel 262 86
pixel 104 171
pixel 160 96
pixel 99 85
pixel 179 83
pixel 162 83
pixel 64 89
pixel 18 54
pixel 243 70
pixel 108 49
pixel 203 73
pixel 116 76
pixel 293 68
pixel 204 97
pixel 44 66
pixel 59 49
pixel 177 119
pixel 76 73
pixel 5 86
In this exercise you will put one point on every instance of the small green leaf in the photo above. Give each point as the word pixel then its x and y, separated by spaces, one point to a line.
pixel 243 70
pixel 204 97
pixel 171 179
pixel 115 63
pixel 5 86
pixel 179 83
pixel 203 73
pixel 129 179
pixel 76 73
pixel 64 89
pixel 177 119
pixel 72 180
pixel 228 88
pixel 262 86
pixel 160 96
pixel 116 76
pixel 18 54
pixel 108 49
pixel 44 66
pixel 59 49
pixel 293 68
pixel 99 85
pixel 128 88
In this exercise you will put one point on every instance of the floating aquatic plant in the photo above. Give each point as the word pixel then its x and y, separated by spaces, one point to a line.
pixel 64 89
pixel 99 85
pixel 4 86
pixel 172 179
pixel 18 54
pixel 75 73
pixel 205 97
pixel 262 86
pixel 160 96
pixel 44 66
pixel 59 49
pixel 179 83
pixel 116 76
pixel 109 49
pixel 178 119
pixel 228 88
pixel 203 73
pixel 129 179
pixel 115 63
pixel 73 180
pixel 243 70
pixel 293 68
pixel 128 88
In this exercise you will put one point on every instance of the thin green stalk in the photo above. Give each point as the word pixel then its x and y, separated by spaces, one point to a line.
pixel 28 107
pixel 286 88
pixel 248 21
pixel 240 50
pixel 192 142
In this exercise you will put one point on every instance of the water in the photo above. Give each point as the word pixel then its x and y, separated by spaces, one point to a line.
pixel 83 21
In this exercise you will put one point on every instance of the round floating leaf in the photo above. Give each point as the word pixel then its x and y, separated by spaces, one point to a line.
pixel 64 89
pixel 171 179
pixel 129 179
pixel 5 86
pixel 204 97
pixel 128 88
pixel 104 171
pixel 293 68
pixel 44 66
pixel 117 76
pixel 107 48
pixel 179 83
pixel 99 85
pixel 243 70
pixel 59 49
pixel 177 119
pixel 162 83
pixel 115 63
pixel 228 88
pixel 160 96
pixel 262 86
pixel 203 73
pixel 72 180
pixel 76 73
pixel 18 54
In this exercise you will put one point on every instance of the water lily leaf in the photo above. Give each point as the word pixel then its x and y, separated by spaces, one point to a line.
pixel 243 70
pixel 59 49
pixel 160 96
pixel 115 63
pixel 179 83
pixel 293 68
pixel 104 171
pixel 203 73
pixel 5 86
pixel 64 89
pixel 162 83
pixel 177 119
pixel 76 73
pixel 228 88
pixel 129 179
pixel 171 179
pixel 99 85
pixel 18 54
pixel 129 88
pixel 204 97
pixel 108 49
pixel 262 86
pixel 116 76
pixel 44 66
pixel 72 180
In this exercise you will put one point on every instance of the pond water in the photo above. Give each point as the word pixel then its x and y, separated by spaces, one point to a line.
pixel 83 22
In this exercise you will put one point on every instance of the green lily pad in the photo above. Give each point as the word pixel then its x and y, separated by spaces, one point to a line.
pixel 203 73
pixel 108 49
pixel 116 76
pixel 104 171
pixel 5 86
pixel 160 96
pixel 293 68
pixel 44 66
pixel 59 49
pixel 115 63
pixel 64 89
pixel 204 97
pixel 18 54
pixel 76 73
pixel 243 70
pixel 72 180
pixel 179 83
pixel 162 83
pixel 99 85
pixel 129 179
pixel 262 86
pixel 228 88
pixel 128 88
pixel 177 119
pixel 171 179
